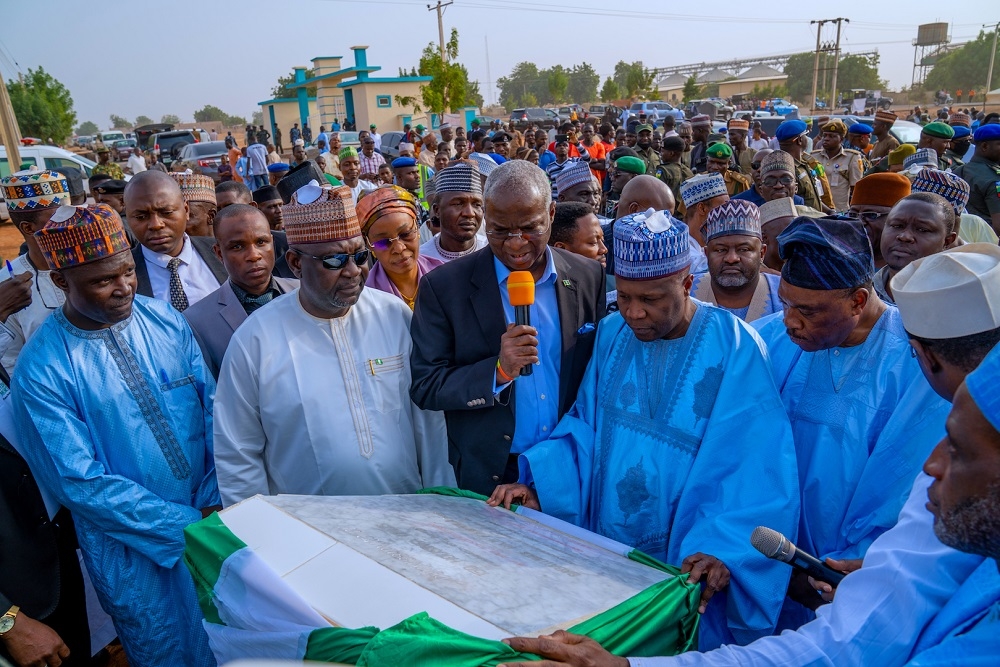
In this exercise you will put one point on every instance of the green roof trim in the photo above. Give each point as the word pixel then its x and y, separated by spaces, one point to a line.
pixel 392 79
pixel 339 74
pixel 281 100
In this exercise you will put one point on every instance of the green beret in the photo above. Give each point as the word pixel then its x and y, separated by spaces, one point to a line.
pixel 631 165
pixel 939 130
pixel 719 151
pixel 643 128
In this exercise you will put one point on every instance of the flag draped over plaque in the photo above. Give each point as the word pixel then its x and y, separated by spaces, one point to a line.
pixel 250 612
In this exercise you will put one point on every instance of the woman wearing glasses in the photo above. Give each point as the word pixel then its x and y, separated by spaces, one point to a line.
pixel 388 219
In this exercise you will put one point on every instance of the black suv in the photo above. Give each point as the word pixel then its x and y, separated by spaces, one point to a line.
pixel 546 119
pixel 168 145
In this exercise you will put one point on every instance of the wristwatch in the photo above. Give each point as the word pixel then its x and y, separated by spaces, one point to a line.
pixel 7 620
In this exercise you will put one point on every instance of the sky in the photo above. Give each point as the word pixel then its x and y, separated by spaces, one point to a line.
pixel 152 58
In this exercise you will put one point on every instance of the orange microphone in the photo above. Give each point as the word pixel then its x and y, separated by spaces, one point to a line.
pixel 521 292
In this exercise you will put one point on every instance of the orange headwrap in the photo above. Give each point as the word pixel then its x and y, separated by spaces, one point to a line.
pixel 374 204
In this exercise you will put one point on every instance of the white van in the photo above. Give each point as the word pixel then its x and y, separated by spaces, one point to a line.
pixel 110 137
pixel 45 157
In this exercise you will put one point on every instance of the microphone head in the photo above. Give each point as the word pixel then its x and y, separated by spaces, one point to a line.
pixel 521 288
pixel 767 541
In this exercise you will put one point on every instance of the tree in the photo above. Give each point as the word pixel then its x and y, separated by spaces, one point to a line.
pixel 523 79
pixel 257 118
pixel 853 72
pixel 692 90
pixel 172 119
pixel 282 92
pixel 557 82
pixel 143 120
pixel 583 82
pixel 43 106
pixel 120 123
pixel 609 91
pixel 408 101
pixel 87 128
pixel 449 88
pixel 209 113
pixel 965 68
pixel 634 80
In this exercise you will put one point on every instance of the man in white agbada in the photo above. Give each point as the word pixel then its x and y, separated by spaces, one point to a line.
pixel 313 392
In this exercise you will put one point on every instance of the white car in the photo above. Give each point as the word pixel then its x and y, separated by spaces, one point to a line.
pixel 45 157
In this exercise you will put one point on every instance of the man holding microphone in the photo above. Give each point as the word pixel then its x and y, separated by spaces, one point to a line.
pixel 468 353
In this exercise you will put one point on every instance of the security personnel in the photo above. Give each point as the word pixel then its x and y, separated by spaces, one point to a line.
pixel 962 124
pixel 843 166
pixel 813 185
pixel 938 136
pixel 886 143
pixel 672 171
pixel 982 173
pixel 859 138
pixel 718 157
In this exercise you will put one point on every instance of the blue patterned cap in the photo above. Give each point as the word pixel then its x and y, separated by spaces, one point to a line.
pixel 826 253
pixel 573 174
pixel 702 188
pixel 650 245
pixel 485 163
pixel 943 183
pixel 736 216
pixel 790 129
pixel 982 386
pixel 924 157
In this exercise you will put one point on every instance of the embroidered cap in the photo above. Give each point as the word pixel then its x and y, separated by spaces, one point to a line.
pixel 34 190
pixel 886 116
pixel 330 217
pixel 775 161
pixel 459 177
pixel 574 174
pixel 76 235
pixel 924 157
pixel 702 187
pixel 946 184
pixel 826 253
pixel 735 217
pixel 777 208
pixel 195 187
pixel 650 245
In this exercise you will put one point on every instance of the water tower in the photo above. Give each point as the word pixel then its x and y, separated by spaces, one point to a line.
pixel 927 49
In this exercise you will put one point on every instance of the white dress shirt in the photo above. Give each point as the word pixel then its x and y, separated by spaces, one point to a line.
pixel 196 276
pixel 136 164
pixel 21 326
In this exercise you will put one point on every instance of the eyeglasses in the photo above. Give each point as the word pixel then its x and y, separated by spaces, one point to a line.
pixel 338 261
pixel 867 217
pixel 384 244
pixel 755 165
pixel 502 235
pixel 771 181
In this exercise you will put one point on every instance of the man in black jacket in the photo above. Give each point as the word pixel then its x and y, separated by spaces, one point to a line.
pixel 468 354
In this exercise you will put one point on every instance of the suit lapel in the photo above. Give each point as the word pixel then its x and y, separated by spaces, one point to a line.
pixel 568 299
pixel 485 297
pixel 232 310
pixel 143 286
pixel 203 246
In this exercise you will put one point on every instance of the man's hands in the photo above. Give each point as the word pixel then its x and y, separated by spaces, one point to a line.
pixel 710 569
pixel 827 591
pixel 34 644
pixel 562 649
pixel 507 494
pixel 15 294
pixel 518 348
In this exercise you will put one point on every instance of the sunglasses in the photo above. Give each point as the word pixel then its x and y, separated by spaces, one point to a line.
pixel 336 262
pixel 866 216
pixel 755 165
pixel 771 181
pixel 384 244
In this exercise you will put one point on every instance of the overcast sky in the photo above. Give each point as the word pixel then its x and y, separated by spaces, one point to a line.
pixel 142 57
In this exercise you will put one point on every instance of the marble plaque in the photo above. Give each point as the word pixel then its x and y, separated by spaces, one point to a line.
pixel 375 560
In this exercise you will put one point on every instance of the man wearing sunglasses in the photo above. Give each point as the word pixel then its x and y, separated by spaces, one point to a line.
pixel 313 390
pixel 873 198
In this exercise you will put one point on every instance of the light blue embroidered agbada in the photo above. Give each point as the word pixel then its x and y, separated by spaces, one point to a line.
pixel 118 423
pixel 865 420
pixel 680 446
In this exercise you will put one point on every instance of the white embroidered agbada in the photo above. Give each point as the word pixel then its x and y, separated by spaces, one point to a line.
pixel 322 407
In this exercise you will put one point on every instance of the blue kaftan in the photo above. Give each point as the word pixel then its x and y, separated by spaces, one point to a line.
pixel 680 446
pixel 865 420
pixel 118 423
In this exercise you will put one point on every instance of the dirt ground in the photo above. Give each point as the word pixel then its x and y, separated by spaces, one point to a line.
pixel 10 241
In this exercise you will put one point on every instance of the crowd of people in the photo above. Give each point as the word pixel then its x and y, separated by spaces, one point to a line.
pixel 728 330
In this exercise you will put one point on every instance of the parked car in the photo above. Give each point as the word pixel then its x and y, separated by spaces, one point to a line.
pixel 144 132
pixel 351 139
pixel 44 157
pixel 546 119
pixel 567 111
pixel 168 145
pixel 780 106
pixel 390 145
pixel 204 158
pixel 655 111
pixel 123 149
pixel 84 141
pixel 110 137
pixel 722 110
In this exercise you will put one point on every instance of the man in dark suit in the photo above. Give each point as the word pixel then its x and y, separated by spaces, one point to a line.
pixel 43 610
pixel 467 350
pixel 244 243
pixel 169 264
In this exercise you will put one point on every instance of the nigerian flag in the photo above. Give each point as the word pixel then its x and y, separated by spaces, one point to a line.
pixel 251 612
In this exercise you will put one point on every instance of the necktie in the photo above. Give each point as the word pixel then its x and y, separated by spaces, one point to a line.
pixel 178 299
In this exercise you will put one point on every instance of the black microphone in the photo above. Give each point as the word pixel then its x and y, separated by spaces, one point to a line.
pixel 773 544
pixel 521 291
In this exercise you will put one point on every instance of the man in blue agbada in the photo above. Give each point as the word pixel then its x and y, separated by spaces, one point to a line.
pixel 678 443
pixel 863 415
pixel 114 404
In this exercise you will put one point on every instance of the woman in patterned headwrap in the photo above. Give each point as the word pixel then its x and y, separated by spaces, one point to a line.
pixel 388 219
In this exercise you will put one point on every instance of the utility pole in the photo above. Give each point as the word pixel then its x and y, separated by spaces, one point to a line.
pixel 10 136
pixel 836 63
pixel 439 7
pixel 989 76
pixel 489 81
pixel 819 29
